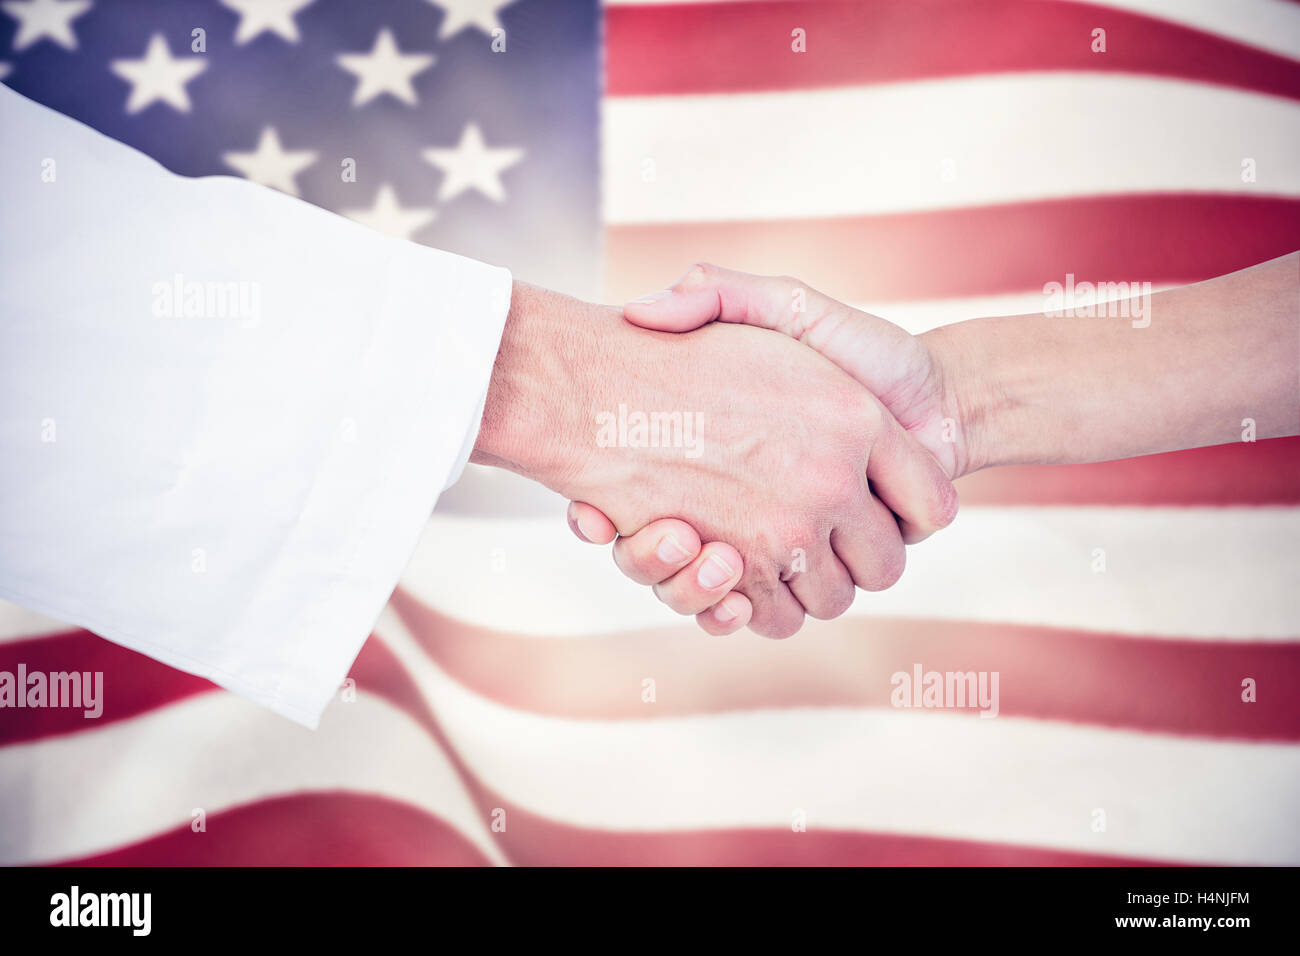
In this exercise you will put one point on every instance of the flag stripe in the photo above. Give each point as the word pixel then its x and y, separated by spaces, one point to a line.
pixel 21 624
pixel 985 250
pixel 1155 685
pixel 861 151
pixel 1256 473
pixel 203 743
pixel 706 48
pixel 134 684
pixel 535 840
pixel 363 830
pixel 1179 573
pixel 1008 781
pixel 1266 24
pixel 285 830
pixel 131 684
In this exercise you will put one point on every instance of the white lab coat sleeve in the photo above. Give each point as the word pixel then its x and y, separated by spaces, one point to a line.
pixel 225 414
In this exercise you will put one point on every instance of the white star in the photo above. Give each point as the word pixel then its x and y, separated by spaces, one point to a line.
pixel 270 165
pixel 258 16
pixel 469 13
pixel 159 76
pixel 471 164
pixel 385 69
pixel 5 69
pixel 388 216
pixel 45 18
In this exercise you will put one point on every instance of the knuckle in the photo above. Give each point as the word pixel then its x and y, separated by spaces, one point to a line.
pixel 947 505
pixel 892 562
pixel 841 489
pixel 859 410
pixel 760 583
pixel 697 275
pixel 785 626
pixel 833 604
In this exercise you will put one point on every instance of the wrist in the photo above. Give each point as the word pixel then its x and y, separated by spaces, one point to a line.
pixel 973 394
pixel 543 383
pixel 1015 403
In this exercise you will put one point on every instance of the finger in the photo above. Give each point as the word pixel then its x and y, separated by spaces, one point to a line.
pixel 727 616
pixel 590 524
pixel 657 551
pixel 777 613
pixel 910 481
pixel 705 581
pixel 871 547
pixel 912 534
pixel 824 587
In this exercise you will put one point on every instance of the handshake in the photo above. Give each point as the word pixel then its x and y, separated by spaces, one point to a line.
pixel 760 449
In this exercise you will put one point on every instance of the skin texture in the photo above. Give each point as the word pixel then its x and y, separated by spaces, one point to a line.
pixel 788 445
pixel 1031 389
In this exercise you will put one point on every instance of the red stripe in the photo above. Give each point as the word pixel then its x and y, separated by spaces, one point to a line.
pixel 1143 684
pixel 1244 473
pixel 980 250
pixel 737 48
pixel 304 829
pixel 378 671
pixel 345 829
pixel 132 683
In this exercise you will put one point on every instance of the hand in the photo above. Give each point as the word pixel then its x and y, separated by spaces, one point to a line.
pixel 897 367
pixel 903 371
pixel 779 465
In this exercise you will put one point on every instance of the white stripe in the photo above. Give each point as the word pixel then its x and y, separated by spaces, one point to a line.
pixel 1267 24
pixel 93 791
pixel 870 150
pixel 922 315
pixel 19 624
pixel 1212 573
pixel 1005 780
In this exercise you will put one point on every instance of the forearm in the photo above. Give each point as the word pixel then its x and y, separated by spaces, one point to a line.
pixel 1035 389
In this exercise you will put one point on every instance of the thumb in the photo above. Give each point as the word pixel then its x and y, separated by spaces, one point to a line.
pixel 673 310
pixel 590 524
pixel 707 293
pixel 910 481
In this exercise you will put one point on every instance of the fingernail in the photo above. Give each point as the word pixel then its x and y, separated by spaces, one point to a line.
pixel 652 297
pixel 713 573
pixel 670 550
pixel 723 613
pixel 586 532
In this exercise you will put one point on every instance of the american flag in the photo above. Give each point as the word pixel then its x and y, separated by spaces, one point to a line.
pixel 518 702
